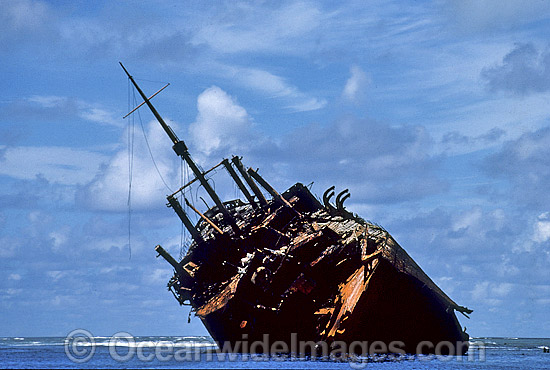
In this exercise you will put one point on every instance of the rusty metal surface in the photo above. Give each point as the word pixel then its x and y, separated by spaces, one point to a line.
pixel 348 295
pixel 315 261
pixel 292 264
pixel 220 300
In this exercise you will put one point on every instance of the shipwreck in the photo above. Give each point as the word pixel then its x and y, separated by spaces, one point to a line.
pixel 290 264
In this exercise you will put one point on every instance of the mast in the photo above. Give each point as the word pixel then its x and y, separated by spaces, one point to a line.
pixel 181 150
pixel 166 128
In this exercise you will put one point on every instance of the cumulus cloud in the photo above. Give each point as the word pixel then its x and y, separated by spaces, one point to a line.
pixel 379 162
pixel 221 125
pixel 222 128
pixel 109 189
pixel 542 228
pixel 354 90
pixel 524 70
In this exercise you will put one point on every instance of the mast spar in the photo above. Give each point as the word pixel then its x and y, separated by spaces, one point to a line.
pixel 181 150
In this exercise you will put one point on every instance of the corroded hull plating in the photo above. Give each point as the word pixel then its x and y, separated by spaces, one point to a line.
pixel 300 268
pixel 296 269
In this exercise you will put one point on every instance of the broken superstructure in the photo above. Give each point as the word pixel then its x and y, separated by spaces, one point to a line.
pixel 291 265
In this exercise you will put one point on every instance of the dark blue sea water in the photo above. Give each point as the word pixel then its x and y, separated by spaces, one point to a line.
pixel 198 352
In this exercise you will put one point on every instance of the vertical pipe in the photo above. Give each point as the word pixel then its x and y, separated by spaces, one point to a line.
pixel 237 161
pixel 239 183
pixel 183 217
pixel 276 196
pixel 227 216
pixel 162 252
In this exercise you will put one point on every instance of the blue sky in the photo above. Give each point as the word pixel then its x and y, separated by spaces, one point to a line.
pixel 433 113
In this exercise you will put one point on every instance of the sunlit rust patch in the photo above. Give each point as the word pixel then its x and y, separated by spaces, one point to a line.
pixel 220 300
pixel 348 296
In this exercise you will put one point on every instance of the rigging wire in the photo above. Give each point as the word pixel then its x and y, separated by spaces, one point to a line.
pixel 131 142
pixel 150 151
pixel 131 136
pixel 153 81
pixel 184 171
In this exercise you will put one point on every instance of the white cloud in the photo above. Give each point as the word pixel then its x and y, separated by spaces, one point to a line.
pixel 221 123
pixel 157 276
pixel 222 127
pixel 56 275
pixel 59 238
pixel 272 86
pixel 250 28
pixel 85 110
pixel 15 277
pixel 354 90
pixel 109 189
pixel 491 293
pixel 62 165
pixel 307 104
pixel 99 115
pixel 49 101
pixel 502 289
pixel 265 81
pixel 469 219
pixel 507 267
pixel 11 292
pixel 24 15
pixel 542 228
pixel 105 244
pixel 63 301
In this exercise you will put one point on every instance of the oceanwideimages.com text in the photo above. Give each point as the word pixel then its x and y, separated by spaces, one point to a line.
pixel 80 346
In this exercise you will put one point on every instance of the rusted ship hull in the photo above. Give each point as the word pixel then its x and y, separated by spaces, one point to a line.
pixel 306 272
pixel 297 269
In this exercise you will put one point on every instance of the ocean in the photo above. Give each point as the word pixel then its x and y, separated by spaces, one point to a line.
pixel 199 352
